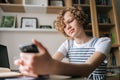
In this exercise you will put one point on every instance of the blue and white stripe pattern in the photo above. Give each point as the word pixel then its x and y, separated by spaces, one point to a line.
pixel 80 55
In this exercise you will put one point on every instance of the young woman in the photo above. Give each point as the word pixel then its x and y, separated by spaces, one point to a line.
pixel 86 54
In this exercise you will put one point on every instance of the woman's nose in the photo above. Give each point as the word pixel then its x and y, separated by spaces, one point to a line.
pixel 68 26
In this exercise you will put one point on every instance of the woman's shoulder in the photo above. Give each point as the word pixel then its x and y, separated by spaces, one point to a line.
pixel 103 40
pixel 68 41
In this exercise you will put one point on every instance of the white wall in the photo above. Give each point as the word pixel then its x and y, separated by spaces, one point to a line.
pixel 12 39
pixel 51 40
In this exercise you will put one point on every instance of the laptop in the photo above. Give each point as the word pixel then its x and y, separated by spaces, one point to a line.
pixel 4 60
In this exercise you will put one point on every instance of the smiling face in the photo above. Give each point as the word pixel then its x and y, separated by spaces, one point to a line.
pixel 72 27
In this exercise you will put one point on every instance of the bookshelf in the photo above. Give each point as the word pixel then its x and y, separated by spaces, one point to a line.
pixel 108 14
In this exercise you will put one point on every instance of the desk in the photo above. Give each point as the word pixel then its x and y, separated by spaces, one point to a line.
pixel 53 77
pixel 58 77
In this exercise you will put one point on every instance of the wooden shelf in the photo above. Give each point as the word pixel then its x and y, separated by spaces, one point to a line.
pixel 115 45
pixel 106 24
pixel 54 9
pixel 30 8
pixel 12 7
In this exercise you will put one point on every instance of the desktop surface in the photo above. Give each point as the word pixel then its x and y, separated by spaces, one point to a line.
pixel 52 77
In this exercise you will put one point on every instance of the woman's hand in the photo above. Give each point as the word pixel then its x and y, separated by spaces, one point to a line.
pixel 35 64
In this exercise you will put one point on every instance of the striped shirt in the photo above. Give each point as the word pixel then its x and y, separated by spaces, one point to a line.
pixel 81 53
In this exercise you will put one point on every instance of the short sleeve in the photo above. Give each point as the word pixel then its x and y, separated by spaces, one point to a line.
pixel 103 45
pixel 63 48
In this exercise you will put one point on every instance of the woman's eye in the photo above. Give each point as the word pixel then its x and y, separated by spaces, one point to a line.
pixel 71 20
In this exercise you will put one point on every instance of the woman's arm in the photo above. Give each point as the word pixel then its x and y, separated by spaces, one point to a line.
pixel 58 56
pixel 42 64
pixel 79 69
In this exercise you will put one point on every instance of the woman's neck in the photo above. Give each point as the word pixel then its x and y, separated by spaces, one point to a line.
pixel 82 39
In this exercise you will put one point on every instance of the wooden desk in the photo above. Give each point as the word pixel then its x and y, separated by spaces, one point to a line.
pixel 14 75
pixel 58 77
pixel 53 77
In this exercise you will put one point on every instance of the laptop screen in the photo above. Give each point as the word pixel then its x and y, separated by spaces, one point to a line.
pixel 4 60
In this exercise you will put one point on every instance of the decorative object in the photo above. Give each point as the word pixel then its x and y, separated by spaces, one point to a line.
pixel 29 22
pixel 56 3
pixel 42 3
pixel 8 21
pixel 45 27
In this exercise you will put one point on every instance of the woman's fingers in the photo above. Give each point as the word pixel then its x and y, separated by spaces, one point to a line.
pixel 30 64
pixel 39 45
pixel 25 70
pixel 18 62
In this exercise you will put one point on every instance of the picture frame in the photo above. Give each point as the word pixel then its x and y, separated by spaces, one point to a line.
pixel 59 3
pixel 29 22
pixel 8 21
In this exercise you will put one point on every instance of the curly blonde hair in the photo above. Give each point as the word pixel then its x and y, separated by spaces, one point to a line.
pixel 77 12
